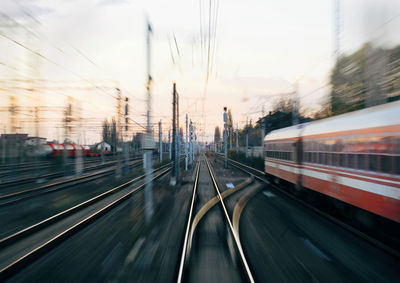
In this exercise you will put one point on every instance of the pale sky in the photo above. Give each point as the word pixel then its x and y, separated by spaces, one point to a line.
pixel 260 49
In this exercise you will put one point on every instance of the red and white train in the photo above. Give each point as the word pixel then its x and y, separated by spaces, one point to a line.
pixel 354 157
pixel 57 150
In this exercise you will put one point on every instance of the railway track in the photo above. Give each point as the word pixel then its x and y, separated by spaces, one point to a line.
pixel 29 179
pixel 203 244
pixel 25 246
pixel 260 176
pixel 48 163
pixel 20 195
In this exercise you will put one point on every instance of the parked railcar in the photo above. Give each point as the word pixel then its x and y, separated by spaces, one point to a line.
pixel 72 150
pixel 354 158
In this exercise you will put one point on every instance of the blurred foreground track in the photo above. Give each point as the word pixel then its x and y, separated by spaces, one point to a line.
pixel 24 247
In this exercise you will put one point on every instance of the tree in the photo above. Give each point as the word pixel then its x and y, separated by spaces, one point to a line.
pixel 281 116
pixel 367 77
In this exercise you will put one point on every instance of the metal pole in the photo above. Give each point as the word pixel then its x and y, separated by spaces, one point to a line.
pixel 237 138
pixel 225 138
pixel 247 137
pixel 174 147
pixel 125 139
pixel 118 133
pixel 191 142
pixel 230 137
pixel 262 136
pixel 194 145
pixel 178 160
pixel 262 132
pixel 148 192
pixel 169 145
pixel 186 143
pixel 160 140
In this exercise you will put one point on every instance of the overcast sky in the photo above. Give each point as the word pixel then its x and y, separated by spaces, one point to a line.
pixel 260 49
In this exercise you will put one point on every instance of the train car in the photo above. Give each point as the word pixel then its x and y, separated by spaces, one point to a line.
pixel 72 150
pixel 282 156
pixel 354 158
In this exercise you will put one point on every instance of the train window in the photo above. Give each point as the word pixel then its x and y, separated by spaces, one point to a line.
pixel 335 159
pixel 361 161
pixel 320 158
pixel 325 158
pixel 342 160
pixel 386 164
pixel 372 162
pixel 351 161
pixel 397 145
pixel 397 165
pixel 314 157
pixel 328 158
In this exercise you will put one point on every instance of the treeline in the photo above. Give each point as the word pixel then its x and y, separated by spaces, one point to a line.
pixel 370 76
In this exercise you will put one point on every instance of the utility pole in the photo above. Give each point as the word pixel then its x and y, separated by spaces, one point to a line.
pixel 194 143
pixel 178 139
pixel 67 131
pixel 225 138
pixel 262 132
pixel 160 140
pixel 169 144
pixel 149 141
pixel 37 119
pixel 174 147
pixel 186 144
pixel 125 138
pixel 78 146
pixel 13 109
pixel 237 137
pixel 118 133
pixel 191 142
pixel 230 137
pixel 247 137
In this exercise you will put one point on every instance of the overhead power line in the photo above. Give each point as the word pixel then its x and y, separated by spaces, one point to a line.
pixel 53 62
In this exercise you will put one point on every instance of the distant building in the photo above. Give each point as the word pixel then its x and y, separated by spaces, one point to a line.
pixel 13 137
pixel 101 146
pixel 12 145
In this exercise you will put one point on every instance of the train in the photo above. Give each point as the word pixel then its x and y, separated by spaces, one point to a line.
pixel 352 158
pixel 53 150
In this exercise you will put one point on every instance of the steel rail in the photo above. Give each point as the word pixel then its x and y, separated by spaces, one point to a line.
pixel 63 184
pixel 41 166
pixel 52 219
pixel 235 236
pixel 185 241
pixel 32 255
pixel 59 174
